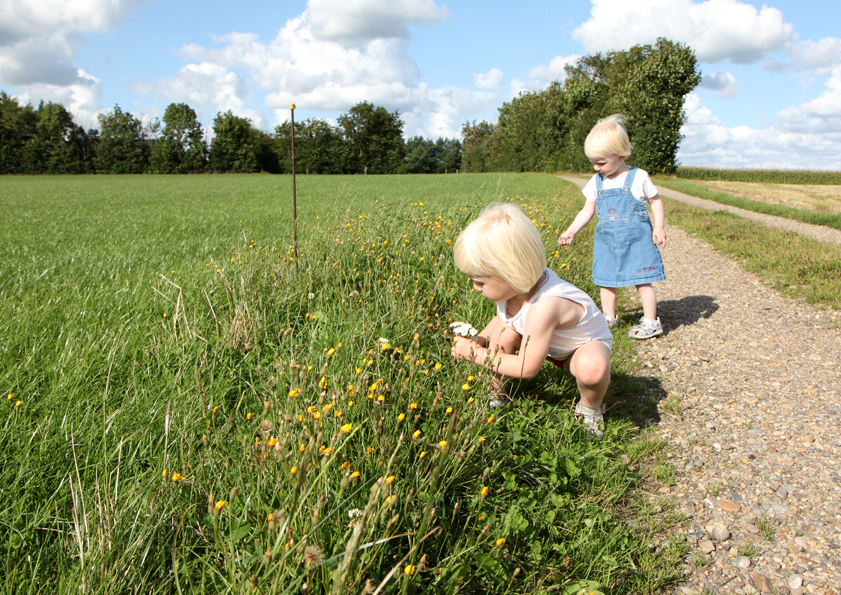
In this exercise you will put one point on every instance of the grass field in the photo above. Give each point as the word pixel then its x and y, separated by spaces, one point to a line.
pixel 817 213
pixel 191 409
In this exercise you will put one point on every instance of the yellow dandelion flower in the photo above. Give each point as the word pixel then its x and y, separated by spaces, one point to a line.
pixel 437 367
pixel 354 475
pixel 470 400
pixel 330 352
pixel 294 392
pixel 470 379
pixel 165 473
pixel 442 444
pixel 300 418
pixel 465 387
pixel 176 477
pixel 413 405
pixel 248 416
pixel 500 541
pixel 484 491
pixel 10 397
pixel 481 439
pixel 369 451
pixel 491 419
pixel 409 570
pixel 302 448
pixel 327 407
pixel 271 517
pixel 215 409
pixel 346 428
pixel 416 435
pixel 220 504
pixel 389 499
pixel 323 382
pixel 350 403
pixel 346 464
pixel 18 403
pixel 339 413
pixel 401 417
pixel 293 470
pixel 272 441
pixel 481 516
pixel 390 479
pixel 422 454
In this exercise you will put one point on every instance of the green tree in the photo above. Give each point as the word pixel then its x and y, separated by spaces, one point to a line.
pixel 234 147
pixel 319 148
pixel 122 145
pixel 432 157
pixel 653 101
pixel 17 127
pixel 181 147
pixel 477 149
pixel 51 148
pixel 373 139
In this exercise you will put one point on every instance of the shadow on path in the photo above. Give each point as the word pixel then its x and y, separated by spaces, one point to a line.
pixel 676 313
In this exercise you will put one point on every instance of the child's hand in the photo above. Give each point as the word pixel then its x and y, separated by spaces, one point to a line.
pixel 464 348
pixel 659 236
pixel 566 238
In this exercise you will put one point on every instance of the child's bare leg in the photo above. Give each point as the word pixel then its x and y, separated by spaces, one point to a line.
pixel 648 297
pixel 590 365
pixel 608 295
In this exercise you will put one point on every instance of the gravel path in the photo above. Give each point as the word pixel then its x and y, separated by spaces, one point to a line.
pixel 755 442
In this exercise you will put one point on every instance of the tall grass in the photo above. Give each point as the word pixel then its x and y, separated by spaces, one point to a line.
pixel 771 176
pixel 191 409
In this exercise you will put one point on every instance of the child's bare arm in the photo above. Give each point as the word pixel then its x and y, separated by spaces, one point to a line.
pixel 581 220
pixel 543 318
pixel 658 214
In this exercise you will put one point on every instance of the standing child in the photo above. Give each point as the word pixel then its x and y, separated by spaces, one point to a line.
pixel 625 245
pixel 503 253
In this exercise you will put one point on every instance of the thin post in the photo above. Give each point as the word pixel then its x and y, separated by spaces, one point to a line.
pixel 294 191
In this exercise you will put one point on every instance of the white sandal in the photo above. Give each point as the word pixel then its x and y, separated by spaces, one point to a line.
pixel 591 417
pixel 646 329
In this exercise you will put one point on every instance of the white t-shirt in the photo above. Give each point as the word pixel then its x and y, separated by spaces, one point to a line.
pixel 642 188
pixel 591 326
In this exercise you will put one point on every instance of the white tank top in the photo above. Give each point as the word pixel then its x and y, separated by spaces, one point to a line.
pixel 591 327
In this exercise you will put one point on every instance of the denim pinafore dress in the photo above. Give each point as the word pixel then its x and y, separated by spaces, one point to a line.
pixel 624 253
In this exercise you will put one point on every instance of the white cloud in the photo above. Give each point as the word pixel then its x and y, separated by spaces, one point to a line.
pixel 723 84
pixel 828 105
pixel 82 98
pixel 328 59
pixel 490 80
pixel 38 39
pixel 540 77
pixel 356 23
pixel 816 56
pixel 795 142
pixel 716 29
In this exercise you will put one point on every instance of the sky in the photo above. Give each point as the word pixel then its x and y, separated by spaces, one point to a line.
pixel 770 96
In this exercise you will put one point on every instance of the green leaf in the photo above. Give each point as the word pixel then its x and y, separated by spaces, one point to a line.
pixel 584 587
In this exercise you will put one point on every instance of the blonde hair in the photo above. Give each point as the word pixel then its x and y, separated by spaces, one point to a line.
pixel 503 243
pixel 608 137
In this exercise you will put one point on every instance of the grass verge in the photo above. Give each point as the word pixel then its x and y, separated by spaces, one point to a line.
pixel 796 265
pixel 687 187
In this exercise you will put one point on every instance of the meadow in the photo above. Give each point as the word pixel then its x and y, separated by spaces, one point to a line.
pixel 191 408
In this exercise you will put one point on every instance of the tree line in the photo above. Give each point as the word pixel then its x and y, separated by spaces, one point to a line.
pixel 545 130
pixel 368 139
pixel 536 131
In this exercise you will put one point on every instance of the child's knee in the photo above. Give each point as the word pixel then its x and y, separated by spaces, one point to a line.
pixel 592 370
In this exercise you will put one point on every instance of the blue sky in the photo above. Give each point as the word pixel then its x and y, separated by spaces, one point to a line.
pixel 770 95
